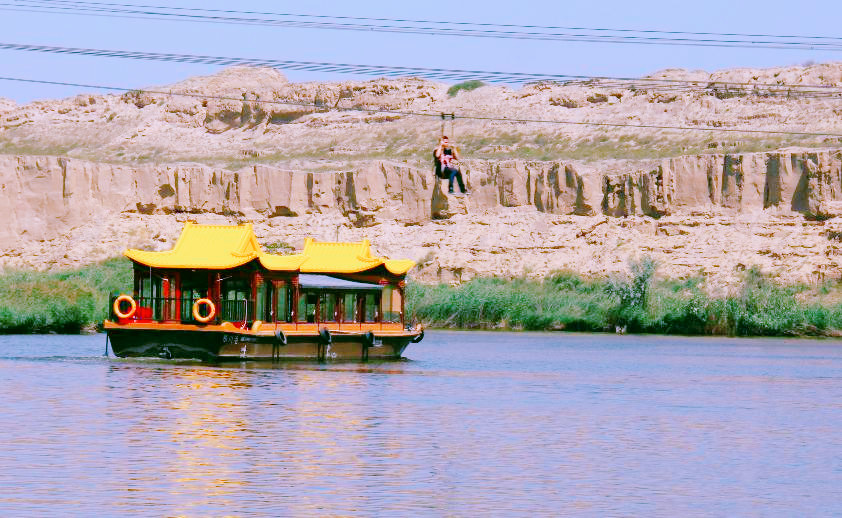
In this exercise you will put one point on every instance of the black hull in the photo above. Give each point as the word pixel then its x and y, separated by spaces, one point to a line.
pixel 224 346
pixel 184 344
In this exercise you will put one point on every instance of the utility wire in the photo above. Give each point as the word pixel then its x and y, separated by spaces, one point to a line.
pixel 773 89
pixel 315 105
pixel 428 27
pixel 405 20
pixel 112 5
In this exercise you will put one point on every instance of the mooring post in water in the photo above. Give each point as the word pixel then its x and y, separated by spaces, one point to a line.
pixel 106 346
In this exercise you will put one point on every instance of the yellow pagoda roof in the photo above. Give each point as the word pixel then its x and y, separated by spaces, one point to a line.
pixel 324 257
pixel 220 247
pixel 204 246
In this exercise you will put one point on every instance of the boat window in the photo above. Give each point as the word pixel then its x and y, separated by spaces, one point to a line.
pixel 349 305
pixel 193 288
pixel 150 295
pixel 144 289
pixel 307 306
pixel 235 300
pixel 282 302
pixel 370 303
pixel 235 289
pixel 327 307
pixel 391 304
pixel 263 301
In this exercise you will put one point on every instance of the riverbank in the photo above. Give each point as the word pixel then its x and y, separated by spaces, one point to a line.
pixel 61 302
pixel 639 302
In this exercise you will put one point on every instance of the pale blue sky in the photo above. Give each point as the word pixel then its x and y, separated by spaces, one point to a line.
pixel 818 18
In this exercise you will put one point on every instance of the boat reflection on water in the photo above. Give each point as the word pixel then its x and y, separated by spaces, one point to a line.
pixel 197 420
pixel 215 425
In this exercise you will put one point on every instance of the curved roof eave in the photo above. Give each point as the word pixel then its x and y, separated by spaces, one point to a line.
pixel 138 257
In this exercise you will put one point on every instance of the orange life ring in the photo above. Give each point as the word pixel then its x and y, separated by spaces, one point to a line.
pixel 132 306
pixel 211 310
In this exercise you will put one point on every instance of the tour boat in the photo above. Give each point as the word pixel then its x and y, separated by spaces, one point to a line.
pixel 217 296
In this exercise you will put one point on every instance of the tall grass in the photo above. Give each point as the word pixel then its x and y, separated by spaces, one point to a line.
pixel 563 301
pixel 637 303
pixel 60 302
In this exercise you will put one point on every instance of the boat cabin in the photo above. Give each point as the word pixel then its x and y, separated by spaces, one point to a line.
pixel 220 275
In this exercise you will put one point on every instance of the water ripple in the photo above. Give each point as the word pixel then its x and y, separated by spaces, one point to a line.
pixel 491 423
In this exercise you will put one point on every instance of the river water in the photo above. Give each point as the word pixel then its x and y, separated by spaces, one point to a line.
pixel 469 423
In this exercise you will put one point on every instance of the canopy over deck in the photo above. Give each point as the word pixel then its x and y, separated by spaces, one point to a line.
pixel 311 280
pixel 221 247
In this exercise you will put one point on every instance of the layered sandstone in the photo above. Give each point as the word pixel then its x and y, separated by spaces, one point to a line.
pixel 49 193
pixel 712 213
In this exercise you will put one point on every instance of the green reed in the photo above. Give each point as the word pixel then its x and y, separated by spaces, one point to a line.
pixel 636 303
pixel 639 302
pixel 60 302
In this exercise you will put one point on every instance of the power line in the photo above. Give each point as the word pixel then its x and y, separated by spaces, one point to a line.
pixel 314 105
pixel 429 27
pixel 774 89
pixel 406 20
pixel 415 21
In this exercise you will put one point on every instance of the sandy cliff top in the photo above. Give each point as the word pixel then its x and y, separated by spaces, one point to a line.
pixel 256 115
pixel 7 104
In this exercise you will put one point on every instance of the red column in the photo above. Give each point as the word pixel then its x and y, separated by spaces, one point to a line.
pixel 295 295
pixel 165 294
pixel 177 295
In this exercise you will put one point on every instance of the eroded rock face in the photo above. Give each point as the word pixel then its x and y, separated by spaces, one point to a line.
pixel 546 215
pixel 47 194
pixel 805 182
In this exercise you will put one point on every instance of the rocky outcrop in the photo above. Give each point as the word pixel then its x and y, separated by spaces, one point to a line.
pixel 6 104
pixel 806 182
pixel 46 195
pixel 712 213
pixel 255 113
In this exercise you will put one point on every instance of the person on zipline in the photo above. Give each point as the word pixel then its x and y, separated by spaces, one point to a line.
pixel 446 157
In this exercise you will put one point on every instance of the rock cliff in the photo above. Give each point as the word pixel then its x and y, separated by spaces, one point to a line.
pixel 83 178
pixel 717 213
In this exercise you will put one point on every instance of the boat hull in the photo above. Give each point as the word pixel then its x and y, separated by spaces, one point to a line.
pixel 223 345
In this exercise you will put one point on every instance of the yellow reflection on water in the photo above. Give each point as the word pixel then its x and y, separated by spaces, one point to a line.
pixel 207 427
pixel 317 429
pixel 233 433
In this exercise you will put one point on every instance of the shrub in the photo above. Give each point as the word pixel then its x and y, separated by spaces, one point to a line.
pixel 632 295
pixel 564 101
pixel 639 302
pixel 280 248
pixel 65 302
pixel 467 86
